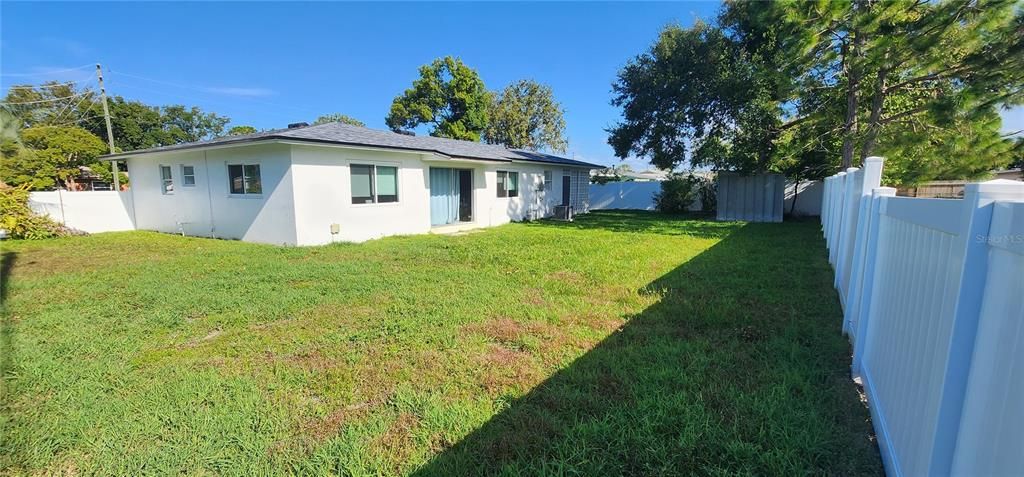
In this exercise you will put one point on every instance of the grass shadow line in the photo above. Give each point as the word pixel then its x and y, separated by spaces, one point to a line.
pixel 740 367
pixel 7 260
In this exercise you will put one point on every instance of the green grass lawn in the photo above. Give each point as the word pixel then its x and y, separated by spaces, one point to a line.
pixel 623 343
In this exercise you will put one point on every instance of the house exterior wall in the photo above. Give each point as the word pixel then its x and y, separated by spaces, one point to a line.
pixel 323 196
pixel 208 209
pixel 307 189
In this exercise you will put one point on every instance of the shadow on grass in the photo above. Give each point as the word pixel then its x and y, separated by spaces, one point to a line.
pixel 6 338
pixel 642 221
pixel 740 368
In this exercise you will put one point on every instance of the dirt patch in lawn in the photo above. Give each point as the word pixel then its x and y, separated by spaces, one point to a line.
pixel 397 442
pixel 501 330
pixel 505 368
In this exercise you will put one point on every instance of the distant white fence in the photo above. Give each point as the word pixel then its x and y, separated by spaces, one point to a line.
pixel 751 198
pixel 933 301
pixel 88 211
pixel 624 195
pixel 808 198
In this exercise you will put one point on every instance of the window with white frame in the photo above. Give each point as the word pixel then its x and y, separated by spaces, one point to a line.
pixel 373 184
pixel 244 179
pixel 167 181
pixel 508 184
pixel 548 177
pixel 188 176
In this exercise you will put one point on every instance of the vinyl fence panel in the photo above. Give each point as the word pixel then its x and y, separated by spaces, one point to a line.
pixel 88 211
pixel 624 195
pixel 933 299
pixel 994 402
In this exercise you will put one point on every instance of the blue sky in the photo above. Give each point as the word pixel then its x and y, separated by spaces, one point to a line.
pixel 269 64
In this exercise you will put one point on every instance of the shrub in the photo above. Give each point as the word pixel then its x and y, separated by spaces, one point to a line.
pixel 680 191
pixel 18 219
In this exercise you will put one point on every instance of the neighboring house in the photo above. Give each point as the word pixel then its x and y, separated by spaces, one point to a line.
pixel 650 175
pixel 1009 174
pixel 614 174
pixel 952 189
pixel 86 180
pixel 310 185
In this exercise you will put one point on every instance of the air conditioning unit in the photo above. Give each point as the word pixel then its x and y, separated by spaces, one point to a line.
pixel 563 212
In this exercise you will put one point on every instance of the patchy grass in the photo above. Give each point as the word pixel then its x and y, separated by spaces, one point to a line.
pixel 623 343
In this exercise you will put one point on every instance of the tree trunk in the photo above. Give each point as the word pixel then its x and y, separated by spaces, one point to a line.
pixel 852 83
pixel 874 121
pixel 796 193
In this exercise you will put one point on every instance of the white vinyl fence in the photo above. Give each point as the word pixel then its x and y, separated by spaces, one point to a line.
pixel 88 211
pixel 933 301
pixel 624 195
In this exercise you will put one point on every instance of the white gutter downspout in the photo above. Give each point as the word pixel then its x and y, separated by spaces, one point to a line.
pixel 131 192
pixel 209 196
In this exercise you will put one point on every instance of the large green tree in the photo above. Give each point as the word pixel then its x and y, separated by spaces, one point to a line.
pixel 917 82
pixel 525 115
pixel 135 125
pixel 695 96
pixel 449 96
pixel 192 124
pixel 829 84
pixel 241 130
pixel 50 104
pixel 50 155
pixel 339 118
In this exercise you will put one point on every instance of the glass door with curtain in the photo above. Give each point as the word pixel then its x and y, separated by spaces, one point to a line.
pixel 450 195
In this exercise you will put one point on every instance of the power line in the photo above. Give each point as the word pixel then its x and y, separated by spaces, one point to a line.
pixel 48 72
pixel 182 98
pixel 60 114
pixel 49 85
pixel 76 121
pixel 47 100
pixel 206 90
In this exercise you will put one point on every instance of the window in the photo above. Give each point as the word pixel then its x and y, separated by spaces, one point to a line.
pixel 508 184
pixel 188 176
pixel 168 181
pixel 373 184
pixel 547 180
pixel 244 179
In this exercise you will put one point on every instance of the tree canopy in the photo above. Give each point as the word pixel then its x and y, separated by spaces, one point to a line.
pixel 694 96
pixel 241 130
pixel 809 87
pixel 449 96
pixel 53 130
pixel 50 154
pixel 339 118
pixel 525 115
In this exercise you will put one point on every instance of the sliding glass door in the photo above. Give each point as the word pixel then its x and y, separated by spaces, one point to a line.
pixel 451 192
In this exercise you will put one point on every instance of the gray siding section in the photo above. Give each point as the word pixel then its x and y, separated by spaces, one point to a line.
pixel 750 198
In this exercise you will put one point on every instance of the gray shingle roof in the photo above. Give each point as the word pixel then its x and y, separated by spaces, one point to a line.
pixel 346 134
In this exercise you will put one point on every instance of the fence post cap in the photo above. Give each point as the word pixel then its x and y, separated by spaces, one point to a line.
pixel 883 192
pixel 874 159
pixel 996 186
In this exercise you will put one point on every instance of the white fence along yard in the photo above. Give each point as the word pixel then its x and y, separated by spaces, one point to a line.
pixel 624 195
pixel 88 211
pixel 933 300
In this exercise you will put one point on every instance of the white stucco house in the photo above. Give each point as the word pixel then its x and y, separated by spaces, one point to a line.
pixel 312 185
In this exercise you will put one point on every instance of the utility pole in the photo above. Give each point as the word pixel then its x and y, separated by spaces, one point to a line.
pixel 110 131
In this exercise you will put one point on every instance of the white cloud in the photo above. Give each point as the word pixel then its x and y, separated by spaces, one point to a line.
pixel 237 91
